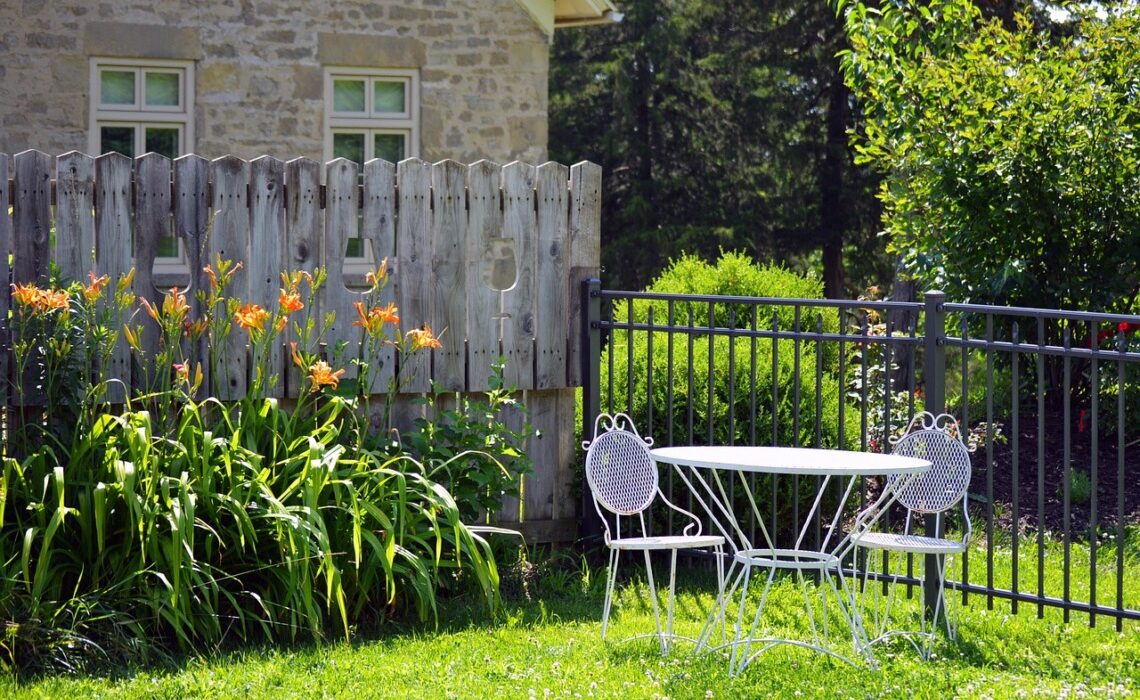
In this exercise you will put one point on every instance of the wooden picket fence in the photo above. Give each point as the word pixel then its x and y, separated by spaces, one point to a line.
pixel 454 234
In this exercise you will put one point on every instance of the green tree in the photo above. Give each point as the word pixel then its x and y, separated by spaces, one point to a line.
pixel 719 126
pixel 1011 163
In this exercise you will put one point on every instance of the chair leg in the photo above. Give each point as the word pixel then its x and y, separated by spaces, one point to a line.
pixel 670 604
pixel 653 599
pixel 609 591
pixel 940 607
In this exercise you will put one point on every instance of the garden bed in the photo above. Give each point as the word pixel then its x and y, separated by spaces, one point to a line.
pixel 1054 465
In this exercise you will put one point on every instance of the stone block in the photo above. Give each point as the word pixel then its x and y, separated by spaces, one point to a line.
pixel 141 40
pixel 308 83
pixel 530 56
pixel 342 49
pixel 69 73
pixel 217 77
pixel 45 40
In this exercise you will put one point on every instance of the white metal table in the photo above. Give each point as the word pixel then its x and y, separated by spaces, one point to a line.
pixel 710 472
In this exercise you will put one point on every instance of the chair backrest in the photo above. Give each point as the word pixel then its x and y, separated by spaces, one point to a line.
pixel 619 469
pixel 937 439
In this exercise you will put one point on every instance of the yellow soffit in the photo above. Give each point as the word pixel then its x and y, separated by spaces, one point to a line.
pixel 555 14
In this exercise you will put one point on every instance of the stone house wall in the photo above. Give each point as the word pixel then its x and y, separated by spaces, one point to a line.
pixel 482 65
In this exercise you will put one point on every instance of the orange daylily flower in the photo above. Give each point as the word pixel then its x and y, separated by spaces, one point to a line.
pixel 251 317
pixel 175 304
pixel 297 360
pixel 57 300
pixel 150 309
pixel 290 302
pixel 363 319
pixel 388 314
pixel 25 294
pixel 379 276
pixel 374 319
pixel 321 374
pixel 41 300
pixel 423 338
pixel 93 290
pixel 226 273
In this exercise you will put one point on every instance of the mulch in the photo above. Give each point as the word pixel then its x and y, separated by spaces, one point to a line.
pixel 1053 467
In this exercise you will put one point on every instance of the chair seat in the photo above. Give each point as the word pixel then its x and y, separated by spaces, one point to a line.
pixel 909 543
pixel 667 542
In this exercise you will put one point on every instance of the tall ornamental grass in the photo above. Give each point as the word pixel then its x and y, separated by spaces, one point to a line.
pixel 171 521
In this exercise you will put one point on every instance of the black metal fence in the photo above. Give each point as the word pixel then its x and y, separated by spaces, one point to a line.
pixel 1050 400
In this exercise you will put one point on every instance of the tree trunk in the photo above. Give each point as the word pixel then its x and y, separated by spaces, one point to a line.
pixel 899 321
pixel 833 217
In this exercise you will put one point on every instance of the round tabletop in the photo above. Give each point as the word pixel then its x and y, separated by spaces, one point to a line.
pixel 790 460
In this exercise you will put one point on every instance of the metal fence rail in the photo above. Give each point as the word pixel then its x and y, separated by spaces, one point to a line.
pixel 694 369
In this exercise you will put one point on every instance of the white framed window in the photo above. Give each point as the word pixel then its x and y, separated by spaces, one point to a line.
pixel 370 113
pixel 141 106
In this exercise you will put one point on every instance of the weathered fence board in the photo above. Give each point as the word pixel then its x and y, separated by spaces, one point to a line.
pixel 379 229
pixel 340 225
pixel 414 286
pixel 489 256
pixel 191 210
pixel 448 267
pixel 32 211
pixel 518 302
pixel 113 251
pixel 551 293
pixel 229 240
pixel 509 512
pixel 5 290
pixel 267 249
pixel 303 241
pixel 490 269
pixel 585 251
pixel 74 225
pixel 152 221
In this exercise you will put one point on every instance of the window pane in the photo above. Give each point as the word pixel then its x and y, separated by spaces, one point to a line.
pixel 161 139
pixel 355 248
pixel 117 87
pixel 389 147
pixel 388 96
pixel 162 89
pixel 348 95
pixel 168 246
pixel 120 139
pixel 349 146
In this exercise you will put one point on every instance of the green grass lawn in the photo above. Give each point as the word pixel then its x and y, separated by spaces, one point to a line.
pixel 550 647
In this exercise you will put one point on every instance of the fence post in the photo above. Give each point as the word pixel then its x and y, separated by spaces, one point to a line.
pixel 591 357
pixel 934 380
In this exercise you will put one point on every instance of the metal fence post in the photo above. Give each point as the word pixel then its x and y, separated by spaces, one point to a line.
pixel 934 385
pixel 591 355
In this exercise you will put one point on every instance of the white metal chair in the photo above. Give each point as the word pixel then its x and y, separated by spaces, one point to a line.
pixel 936 492
pixel 623 479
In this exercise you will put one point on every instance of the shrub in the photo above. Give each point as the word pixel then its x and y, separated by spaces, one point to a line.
pixel 470 449
pixel 751 366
